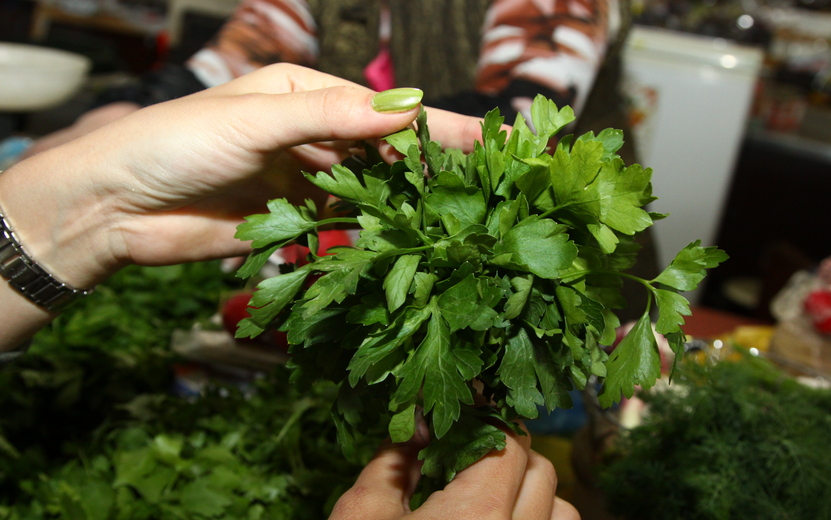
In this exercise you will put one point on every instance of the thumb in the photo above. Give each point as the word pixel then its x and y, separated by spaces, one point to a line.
pixel 384 487
pixel 346 112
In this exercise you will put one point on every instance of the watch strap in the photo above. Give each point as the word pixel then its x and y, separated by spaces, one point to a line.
pixel 30 279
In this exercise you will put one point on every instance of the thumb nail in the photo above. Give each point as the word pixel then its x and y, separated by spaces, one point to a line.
pixel 397 100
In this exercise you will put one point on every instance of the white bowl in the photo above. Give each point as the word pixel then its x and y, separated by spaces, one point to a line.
pixel 36 78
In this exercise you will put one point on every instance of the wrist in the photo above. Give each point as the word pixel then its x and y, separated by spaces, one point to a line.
pixel 61 226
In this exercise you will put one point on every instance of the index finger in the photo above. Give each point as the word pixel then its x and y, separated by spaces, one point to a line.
pixel 454 130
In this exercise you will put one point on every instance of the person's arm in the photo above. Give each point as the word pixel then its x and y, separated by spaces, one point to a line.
pixel 170 183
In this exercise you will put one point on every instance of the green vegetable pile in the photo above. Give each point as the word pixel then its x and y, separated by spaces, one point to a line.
pixel 91 429
pixel 742 440
pixel 494 273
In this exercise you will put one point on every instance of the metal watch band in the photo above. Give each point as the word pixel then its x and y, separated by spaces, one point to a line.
pixel 31 280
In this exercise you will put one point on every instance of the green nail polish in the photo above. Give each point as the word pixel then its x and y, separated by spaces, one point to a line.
pixel 397 100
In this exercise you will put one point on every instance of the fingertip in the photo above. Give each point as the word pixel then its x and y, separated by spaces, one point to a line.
pixel 563 510
pixel 397 100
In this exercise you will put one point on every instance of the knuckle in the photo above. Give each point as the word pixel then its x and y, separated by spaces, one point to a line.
pixel 351 505
pixel 333 107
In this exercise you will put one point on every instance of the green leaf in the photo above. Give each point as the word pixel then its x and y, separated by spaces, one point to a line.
pixel 689 266
pixel 611 139
pixel 450 196
pixel 283 224
pixel 535 184
pixel 96 497
pixel 370 311
pixel 492 131
pixel 635 361
pixel 672 307
pixel 398 281
pixel 257 259
pixel 541 245
pixel 432 368
pixel 140 470
pixel 376 348
pixel 343 271
pixel 516 301
pixel 462 305
pixel 403 424
pixel 621 194
pixel 403 140
pixel 548 119
pixel 200 499
pixel 342 183
pixel 469 440
pixel 270 298
pixel 606 238
pixel 519 375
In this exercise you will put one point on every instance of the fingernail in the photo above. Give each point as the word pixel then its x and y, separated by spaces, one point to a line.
pixel 397 100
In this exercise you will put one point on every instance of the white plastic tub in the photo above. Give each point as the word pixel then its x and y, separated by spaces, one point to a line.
pixel 35 78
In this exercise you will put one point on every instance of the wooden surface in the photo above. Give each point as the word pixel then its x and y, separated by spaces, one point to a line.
pixel 707 323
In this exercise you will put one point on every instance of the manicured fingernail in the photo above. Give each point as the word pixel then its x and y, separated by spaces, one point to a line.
pixel 397 100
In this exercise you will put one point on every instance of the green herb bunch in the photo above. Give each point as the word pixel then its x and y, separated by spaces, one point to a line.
pixel 91 431
pixel 262 452
pixel 741 440
pixel 493 274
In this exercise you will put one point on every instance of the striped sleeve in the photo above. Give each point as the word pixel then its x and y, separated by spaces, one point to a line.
pixel 553 47
pixel 259 33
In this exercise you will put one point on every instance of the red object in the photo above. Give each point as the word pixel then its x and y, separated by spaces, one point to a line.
pixel 281 340
pixel 380 73
pixel 817 306
pixel 296 254
pixel 235 310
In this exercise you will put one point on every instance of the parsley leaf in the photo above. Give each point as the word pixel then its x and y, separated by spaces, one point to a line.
pixel 635 361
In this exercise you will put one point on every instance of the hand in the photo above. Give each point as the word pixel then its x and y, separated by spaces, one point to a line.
pixel 170 183
pixel 515 483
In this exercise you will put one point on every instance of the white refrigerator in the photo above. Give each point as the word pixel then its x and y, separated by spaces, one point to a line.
pixel 689 97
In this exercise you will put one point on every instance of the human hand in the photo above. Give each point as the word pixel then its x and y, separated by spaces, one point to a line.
pixel 514 483
pixel 165 184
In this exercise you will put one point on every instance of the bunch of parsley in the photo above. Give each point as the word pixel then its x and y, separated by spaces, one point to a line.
pixel 91 430
pixel 88 436
pixel 492 274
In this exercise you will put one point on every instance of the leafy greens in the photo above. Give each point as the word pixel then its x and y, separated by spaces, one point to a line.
pixel 494 273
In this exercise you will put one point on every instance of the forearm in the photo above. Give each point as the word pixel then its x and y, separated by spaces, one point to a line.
pixel 64 236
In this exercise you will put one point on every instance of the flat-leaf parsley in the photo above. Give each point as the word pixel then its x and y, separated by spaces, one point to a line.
pixel 494 273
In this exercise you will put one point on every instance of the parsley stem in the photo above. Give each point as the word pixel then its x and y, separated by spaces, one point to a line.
pixel 299 409
pixel 558 208
pixel 586 272
pixel 336 220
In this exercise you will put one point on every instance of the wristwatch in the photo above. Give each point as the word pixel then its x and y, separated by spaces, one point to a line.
pixel 30 279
